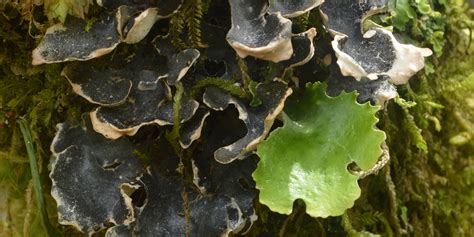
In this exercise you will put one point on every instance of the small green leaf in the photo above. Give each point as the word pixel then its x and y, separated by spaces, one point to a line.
pixel 59 9
pixel 308 157
pixel 403 12
pixel 437 40
pixel 423 6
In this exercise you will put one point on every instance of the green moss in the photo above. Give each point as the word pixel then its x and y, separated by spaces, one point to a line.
pixel 173 135
pixel 226 85
pixel 188 20
pixel 41 96
pixel 431 176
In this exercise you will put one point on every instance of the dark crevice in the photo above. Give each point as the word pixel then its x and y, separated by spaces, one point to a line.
pixel 113 166
pixel 139 197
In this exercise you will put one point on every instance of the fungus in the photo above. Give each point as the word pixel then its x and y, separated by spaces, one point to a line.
pixel 258 120
pixel 253 33
pixel 164 46
pixel 164 211
pixel 87 177
pixel 291 9
pixel 303 49
pixel 140 108
pixel 373 53
pixel 75 40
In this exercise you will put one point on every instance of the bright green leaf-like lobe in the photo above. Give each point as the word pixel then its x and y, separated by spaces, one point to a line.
pixel 307 158
pixel 403 13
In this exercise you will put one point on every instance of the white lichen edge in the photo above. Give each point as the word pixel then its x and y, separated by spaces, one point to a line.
pixel 240 224
pixel 310 34
pixel 78 90
pixel 190 64
pixel 197 133
pixel 277 50
pixel 122 16
pixel 382 95
pixel 409 60
pixel 38 59
pixel 196 178
pixel 112 132
pixel 301 12
pixel 142 25
pixel 243 115
pixel 268 123
pixel 60 202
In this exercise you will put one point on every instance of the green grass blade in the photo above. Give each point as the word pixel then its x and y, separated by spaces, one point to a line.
pixel 36 177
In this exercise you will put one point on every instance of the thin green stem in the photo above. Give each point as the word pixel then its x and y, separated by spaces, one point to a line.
pixel 173 136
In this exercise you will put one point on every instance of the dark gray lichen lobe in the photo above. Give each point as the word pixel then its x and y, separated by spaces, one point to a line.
pixel 258 120
pixel 376 54
pixel 191 130
pixel 142 105
pixel 292 8
pixel 87 177
pixel 107 88
pixel 254 33
pixel 372 53
pixel 75 41
pixel 226 204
